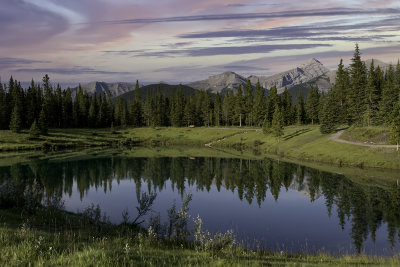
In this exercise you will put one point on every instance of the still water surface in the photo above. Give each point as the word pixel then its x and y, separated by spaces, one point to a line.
pixel 271 204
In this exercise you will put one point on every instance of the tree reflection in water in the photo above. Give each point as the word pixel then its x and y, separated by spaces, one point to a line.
pixel 368 207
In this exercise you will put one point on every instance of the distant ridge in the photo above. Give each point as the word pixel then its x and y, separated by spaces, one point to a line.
pixel 220 82
pixel 163 88
pixel 115 89
pixel 312 70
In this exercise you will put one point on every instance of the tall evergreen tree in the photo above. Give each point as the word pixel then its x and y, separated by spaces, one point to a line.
pixel 16 122
pixel 34 131
pixel 272 102
pixel 217 110
pixel 300 109
pixel 287 107
pixel 228 106
pixel 312 104
pixel 371 98
pixel 389 95
pixel 259 105
pixel 329 114
pixel 42 122
pixel 248 103
pixel 67 110
pixel 277 123
pixel 395 125
pixel 239 106
pixel 356 93
pixel 341 88
pixel 3 108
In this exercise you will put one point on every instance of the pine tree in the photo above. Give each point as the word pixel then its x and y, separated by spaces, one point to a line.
pixel 16 122
pixel 389 95
pixel 189 111
pixel 43 126
pixel 239 105
pixel 31 104
pixel 329 114
pixel 371 98
pixel 395 125
pixel 3 108
pixel 207 108
pixel 300 109
pixel 228 108
pixel 277 123
pixel 34 131
pixel 67 110
pixel 341 89
pixel 273 100
pixel 287 106
pixel 312 104
pixel 248 103
pixel 356 94
pixel 259 106
pixel 217 110
pixel 92 116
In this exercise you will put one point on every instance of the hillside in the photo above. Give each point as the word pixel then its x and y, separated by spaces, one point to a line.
pixel 163 88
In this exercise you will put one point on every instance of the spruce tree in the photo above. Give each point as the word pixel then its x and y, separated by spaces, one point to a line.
pixel 34 131
pixel 300 109
pixel 239 105
pixel 329 114
pixel 273 100
pixel 395 125
pixel 3 108
pixel 92 116
pixel 371 98
pixel 43 126
pixel 389 95
pixel 287 106
pixel 341 89
pixel 228 108
pixel 67 111
pixel 259 106
pixel 312 104
pixel 356 93
pixel 217 110
pixel 277 123
pixel 248 103
pixel 16 122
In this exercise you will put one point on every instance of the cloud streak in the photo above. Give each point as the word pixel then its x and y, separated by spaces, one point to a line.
pixel 9 62
pixel 218 51
pixel 329 12
pixel 71 71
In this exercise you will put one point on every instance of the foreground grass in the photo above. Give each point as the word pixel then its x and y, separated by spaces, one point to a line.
pixel 370 135
pixel 304 143
pixel 307 143
pixel 70 242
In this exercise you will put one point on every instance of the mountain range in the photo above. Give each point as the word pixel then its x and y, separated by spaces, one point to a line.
pixel 298 79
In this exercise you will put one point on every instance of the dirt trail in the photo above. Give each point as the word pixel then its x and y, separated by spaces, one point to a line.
pixel 336 137
pixel 227 136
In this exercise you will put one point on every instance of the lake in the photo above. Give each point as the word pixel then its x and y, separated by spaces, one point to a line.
pixel 268 203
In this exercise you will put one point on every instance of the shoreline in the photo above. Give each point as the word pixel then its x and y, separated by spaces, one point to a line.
pixel 300 143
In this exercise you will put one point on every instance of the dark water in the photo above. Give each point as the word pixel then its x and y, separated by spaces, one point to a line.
pixel 267 203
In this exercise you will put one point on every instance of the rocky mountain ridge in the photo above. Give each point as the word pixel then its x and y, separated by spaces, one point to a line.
pixel 310 70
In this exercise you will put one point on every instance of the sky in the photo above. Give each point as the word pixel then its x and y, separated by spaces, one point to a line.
pixel 179 41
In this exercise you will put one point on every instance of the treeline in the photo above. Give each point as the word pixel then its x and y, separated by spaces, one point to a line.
pixel 363 96
pixel 360 96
